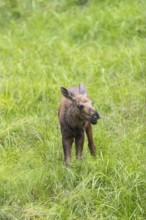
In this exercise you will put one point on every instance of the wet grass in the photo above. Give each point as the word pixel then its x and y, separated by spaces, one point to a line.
pixel 48 44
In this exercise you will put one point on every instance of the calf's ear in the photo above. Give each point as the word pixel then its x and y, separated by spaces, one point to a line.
pixel 67 94
pixel 82 89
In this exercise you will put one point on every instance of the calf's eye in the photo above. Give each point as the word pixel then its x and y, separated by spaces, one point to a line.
pixel 81 107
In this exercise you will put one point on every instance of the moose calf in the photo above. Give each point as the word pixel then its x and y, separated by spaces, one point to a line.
pixel 76 114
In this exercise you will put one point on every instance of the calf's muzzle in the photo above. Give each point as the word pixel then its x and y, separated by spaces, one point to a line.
pixel 94 118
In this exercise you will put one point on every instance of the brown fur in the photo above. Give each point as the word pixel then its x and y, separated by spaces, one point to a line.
pixel 76 114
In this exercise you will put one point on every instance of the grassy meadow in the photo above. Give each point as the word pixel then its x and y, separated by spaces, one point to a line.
pixel 45 44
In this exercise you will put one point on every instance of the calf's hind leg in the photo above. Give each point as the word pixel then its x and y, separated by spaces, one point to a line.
pixel 79 142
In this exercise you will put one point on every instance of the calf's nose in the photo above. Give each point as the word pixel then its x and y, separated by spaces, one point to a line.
pixel 94 118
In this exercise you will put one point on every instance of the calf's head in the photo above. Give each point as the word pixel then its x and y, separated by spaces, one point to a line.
pixel 83 105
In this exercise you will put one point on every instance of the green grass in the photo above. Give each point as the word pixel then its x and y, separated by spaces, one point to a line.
pixel 48 44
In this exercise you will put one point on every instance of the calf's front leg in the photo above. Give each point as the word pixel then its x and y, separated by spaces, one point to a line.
pixel 67 144
pixel 91 144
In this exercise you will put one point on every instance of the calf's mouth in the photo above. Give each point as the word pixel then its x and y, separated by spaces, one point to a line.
pixel 94 118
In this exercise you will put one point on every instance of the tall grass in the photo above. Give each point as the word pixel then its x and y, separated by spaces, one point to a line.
pixel 48 44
